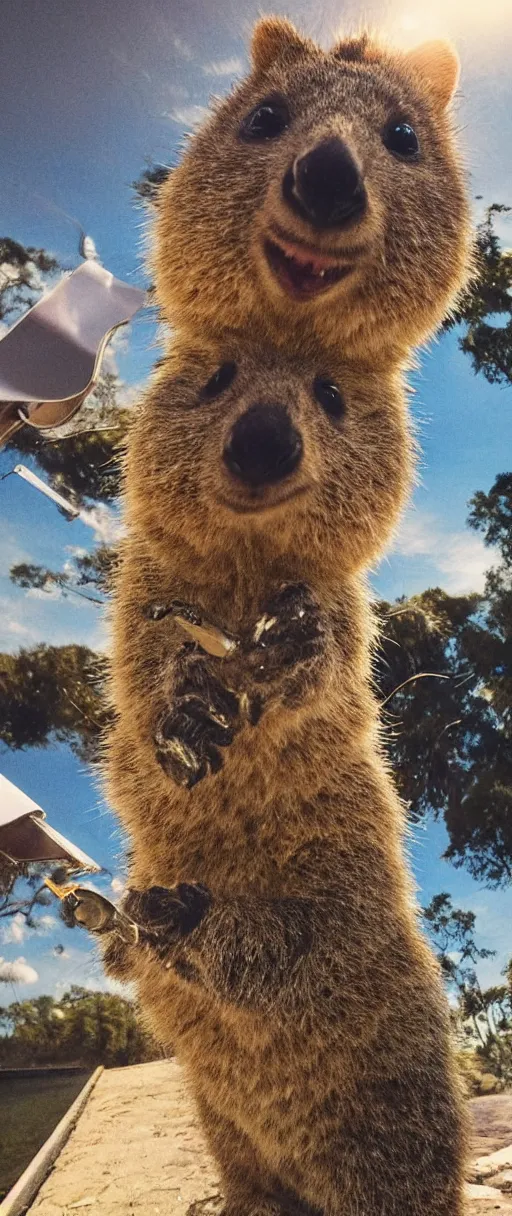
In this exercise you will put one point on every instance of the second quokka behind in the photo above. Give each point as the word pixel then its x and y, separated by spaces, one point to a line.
pixel 280 955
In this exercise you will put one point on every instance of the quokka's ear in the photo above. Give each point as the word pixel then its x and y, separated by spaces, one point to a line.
pixel 437 63
pixel 275 38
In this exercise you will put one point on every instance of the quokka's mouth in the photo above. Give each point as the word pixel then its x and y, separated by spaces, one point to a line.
pixel 302 273
pixel 260 503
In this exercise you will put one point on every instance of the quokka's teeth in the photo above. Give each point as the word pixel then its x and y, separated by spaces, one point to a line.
pixel 321 274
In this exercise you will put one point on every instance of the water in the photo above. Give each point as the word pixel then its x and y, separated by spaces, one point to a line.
pixel 30 1108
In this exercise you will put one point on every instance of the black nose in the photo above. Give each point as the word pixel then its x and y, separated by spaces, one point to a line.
pixel 264 446
pixel 325 186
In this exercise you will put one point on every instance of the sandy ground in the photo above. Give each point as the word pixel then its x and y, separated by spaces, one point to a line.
pixel 138 1146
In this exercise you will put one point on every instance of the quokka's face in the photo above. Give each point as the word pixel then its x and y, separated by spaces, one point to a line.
pixel 324 178
pixel 240 441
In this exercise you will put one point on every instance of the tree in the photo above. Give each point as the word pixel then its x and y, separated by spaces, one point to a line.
pixel 22 891
pixel 84 1027
pixel 484 1015
pixel 83 461
pixel 488 296
pixel 53 693
pixel 147 186
pixel 448 733
pixel 24 271
pixel 87 574
pixel 492 514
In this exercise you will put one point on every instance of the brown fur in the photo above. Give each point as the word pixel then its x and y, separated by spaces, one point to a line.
pixel 408 255
pixel 306 1007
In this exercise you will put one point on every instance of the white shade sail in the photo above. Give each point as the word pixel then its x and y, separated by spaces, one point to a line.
pixel 26 836
pixel 50 359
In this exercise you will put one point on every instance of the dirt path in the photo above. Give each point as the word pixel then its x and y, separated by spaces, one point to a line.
pixel 492 1120
pixel 137 1146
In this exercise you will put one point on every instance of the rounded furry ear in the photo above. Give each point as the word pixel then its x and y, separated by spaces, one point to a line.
pixel 438 65
pixel 275 38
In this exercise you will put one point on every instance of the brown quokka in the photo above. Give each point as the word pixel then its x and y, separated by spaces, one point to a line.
pixel 280 954
pixel 323 204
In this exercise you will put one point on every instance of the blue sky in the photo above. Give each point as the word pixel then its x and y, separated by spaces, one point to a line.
pixel 90 92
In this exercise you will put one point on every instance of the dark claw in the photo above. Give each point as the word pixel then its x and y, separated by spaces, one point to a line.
pixel 197 719
pixel 157 612
pixel 288 633
pixel 202 719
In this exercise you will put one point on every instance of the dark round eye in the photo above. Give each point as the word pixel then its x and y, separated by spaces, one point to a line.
pixel 266 121
pixel 401 139
pixel 329 396
pixel 219 382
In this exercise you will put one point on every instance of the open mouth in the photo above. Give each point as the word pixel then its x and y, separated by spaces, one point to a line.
pixel 301 273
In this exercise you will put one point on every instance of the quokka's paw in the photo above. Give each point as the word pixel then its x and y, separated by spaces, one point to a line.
pixel 97 914
pixel 202 718
pixel 167 914
pixel 289 634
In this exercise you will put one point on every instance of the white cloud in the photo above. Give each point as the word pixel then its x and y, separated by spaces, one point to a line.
pixel 12 632
pixel 118 344
pixel 14 931
pixel 12 626
pixel 41 593
pixel 224 67
pixel 107 525
pixel 183 49
pixel 8 274
pixel 131 394
pixel 178 92
pixel 11 552
pixel 460 559
pixel 117 885
pixel 46 923
pixel 188 116
pixel 17 972
pixel 56 623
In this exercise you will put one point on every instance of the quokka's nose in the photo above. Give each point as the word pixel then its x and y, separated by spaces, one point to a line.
pixel 264 447
pixel 326 186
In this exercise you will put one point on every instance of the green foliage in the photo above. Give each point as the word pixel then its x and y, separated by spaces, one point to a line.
pixel 22 890
pixel 93 571
pixel 489 295
pixel 483 1017
pixel 147 186
pixel 450 734
pixel 452 931
pixel 492 514
pixel 53 693
pixel 449 738
pixel 83 1027
pixel 23 270
pixel 84 460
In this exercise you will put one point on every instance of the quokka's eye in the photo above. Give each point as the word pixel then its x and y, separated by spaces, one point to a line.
pixel 219 382
pixel 401 139
pixel 329 397
pixel 266 121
